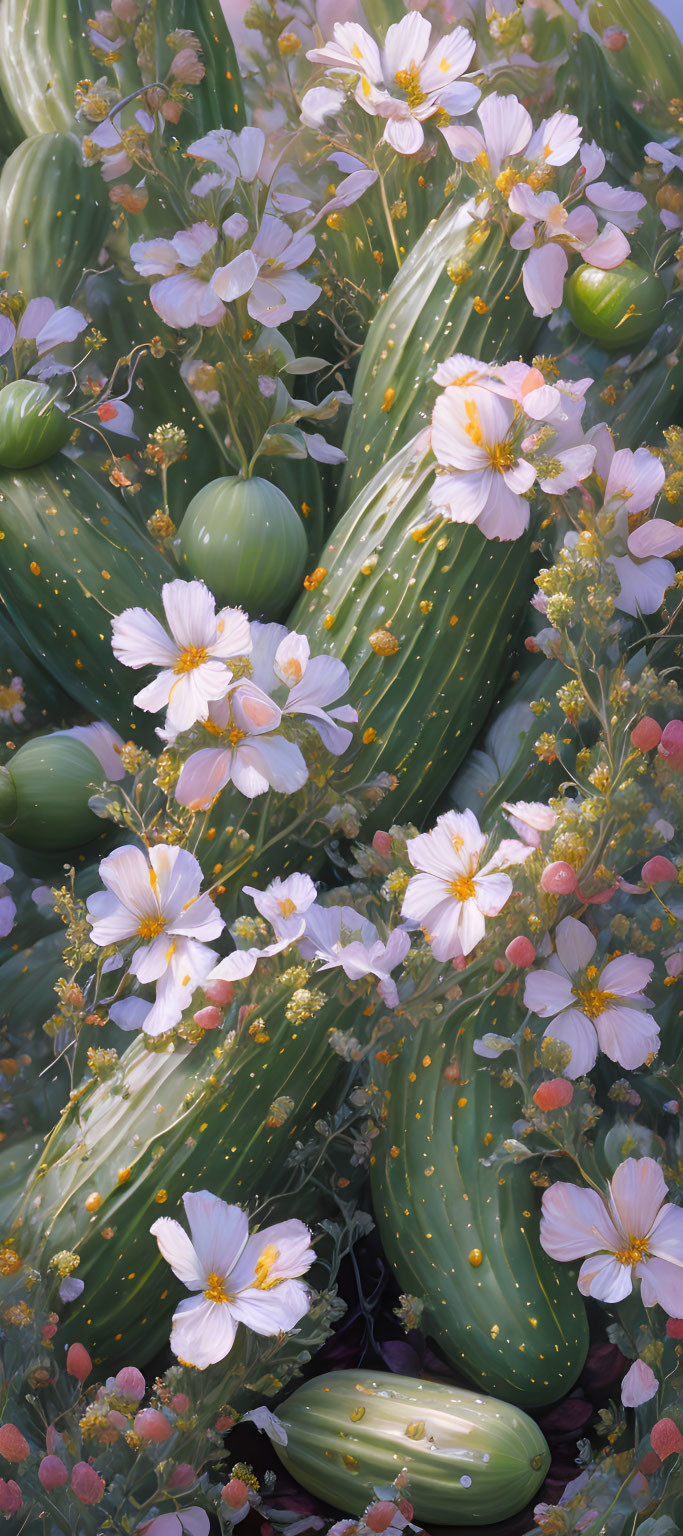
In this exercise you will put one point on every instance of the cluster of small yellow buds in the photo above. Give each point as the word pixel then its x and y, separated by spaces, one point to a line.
pixel 133 757
pixel 94 101
pixel 166 444
pixel 250 929
pixel 296 976
pixel 395 885
pixel 10 1261
pixel 18 1316
pixel 303 1004
pixel 288 43
pixel 102 1062
pixel 561 610
pixel 556 1055
pixel 168 771
pixel 246 1475
pixel 600 777
pixel 65 1262
pixel 161 524
pixel 546 747
pixel 572 701
pixel 570 848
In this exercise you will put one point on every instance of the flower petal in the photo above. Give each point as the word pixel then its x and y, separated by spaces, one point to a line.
pixel 219 1231
pixel 203 1332
pixel 176 1248
pixel 638 1189
pixel 575 1222
pixel 575 944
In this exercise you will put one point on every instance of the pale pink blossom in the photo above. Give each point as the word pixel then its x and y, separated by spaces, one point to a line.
pixel 590 1008
pixel 193 656
pixel 282 658
pixel 408 80
pixel 483 476
pixel 529 818
pixel 639 1385
pixel 183 297
pixel 548 230
pixel 629 1235
pixel 251 753
pixel 456 888
pixel 284 903
pixel 506 130
pixel 276 290
pixel 340 936
pixel 185 1522
pixel 633 482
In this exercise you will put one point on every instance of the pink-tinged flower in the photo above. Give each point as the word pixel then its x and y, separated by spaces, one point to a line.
pixel 12 702
pixel 276 289
pixel 631 1234
pixel 155 901
pixel 249 753
pixel 593 1009
pixel 556 141
pixel 340 936
pixel 184 296
pixel 279 658
pixel 639 1385
pixel 620 204
pixel 193 656
pixel 671 744
pixel 237 1278
pixel 529 818
pixel 408 81
pixel 548 230
pixel 184 1522
pixel 8 909
pixel 665 154
pixel 455 890
pixel 284 904
pixel 633 480
pixel 483 477
pixel 238 156
pixel 506 131
pixel 319 103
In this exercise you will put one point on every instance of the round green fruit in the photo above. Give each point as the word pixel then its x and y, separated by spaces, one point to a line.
pixel 44 792
pixel 616 308
pixel 470 1459
pixel 246 541
pixel 32 425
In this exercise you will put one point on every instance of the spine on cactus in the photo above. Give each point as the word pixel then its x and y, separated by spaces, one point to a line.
pixel 170 1117
pixel 464 1235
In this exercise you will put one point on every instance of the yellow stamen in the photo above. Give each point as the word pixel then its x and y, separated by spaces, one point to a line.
pixel 636 1251
pixel 473 428
pixel 215 1288
pixel 212 728
pixel 409 81
pixel 264 1264
pixel 236 735
pixel 501 456
pixel 593 1001
pixel 287 907
pixel 151 927
pixel 463 888
pixel 188 660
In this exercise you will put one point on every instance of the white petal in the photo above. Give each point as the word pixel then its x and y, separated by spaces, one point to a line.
pixel 575 1222
pixel 203 1332
pixel 138 640
pixel 203 777
pixel 605 1278
pixel 176 1248
pixel 638 1189
pixel 236 278
pixel 219 1231
pixel 576 1031
pixel 271 1312
pixel 627 975
pixel 662 1283
pixel 543 276
pixel 627 1035
pixel 575 944
pixel 655 537
pixel 546 993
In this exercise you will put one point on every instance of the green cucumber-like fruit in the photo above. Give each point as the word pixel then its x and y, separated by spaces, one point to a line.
pixel 454 293
pixel 234 1105
pixel 247 542
pixel 470 1459
pixel 55 215
pixel 33 425
pixel 44 52
pixel 644 55
pixel 464 1236
pixel 616 308
pixel 72 557
pixel 44 792
pixel 423 614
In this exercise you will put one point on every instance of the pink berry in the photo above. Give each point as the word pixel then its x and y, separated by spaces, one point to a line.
pixel 380 1515
pixel 666 1438
pixel 11 1497
pixel 381 843
pixel 86 1483
pixel 208 1018
pixel 235 1493
pixel 78 1362
pixel 658 869
pixel 615 39
pixel 52 1473
pixel 671 744
pixel 131 1382
pixel 150 1424
pixel 180 1403
pixel 674 1327
pixel 13 1445
pixel 219 992
pixel 646 734
pixel 183 1476
pixel 520 951
pixel 553 1094
pixel 559 878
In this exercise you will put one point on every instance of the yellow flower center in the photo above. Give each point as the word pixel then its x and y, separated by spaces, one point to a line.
pixel 637 1250
pixel 194 656
pixel 264 1265
pixel 212 728
pixel 506 180
pixel 463 888
pixel 482 159
pixel 236 735
pixel 9 697
pixel 501 456
pixel 287 907
pixel 151 927
pixel 593 1001
pixel 215 1288
pixel 408 80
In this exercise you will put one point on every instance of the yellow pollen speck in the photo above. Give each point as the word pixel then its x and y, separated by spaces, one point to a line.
pixel 463 888
pixel 188 660
pixel 215 1288
pixel 475 1257
pixel 150 927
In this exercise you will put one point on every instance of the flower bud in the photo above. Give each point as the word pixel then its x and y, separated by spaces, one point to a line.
pixel 208 1018
pixel 219 992
pixel 11 1497
pixel 150 1424
pixel 381 843
pixel 86 1483
pixel 223 1423
pixel 187 67
pixel 615 39
pixel 554 1094
pixel 78 1362
pixel 183 1477
pixel 118 1422
pixel 671 744
pixel 52 1473
pixel 646 734
pixel 13 1445
pixel 180 1403
pixel 666 1438
pixel 658 869
pixel 131 1382
pixel 235 1493
pixel 171 110
pixel 520 951
pixel 559 878
pixel 380 1515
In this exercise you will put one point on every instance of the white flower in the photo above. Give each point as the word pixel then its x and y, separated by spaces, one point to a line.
pixel 319 103
pixel 280 656
pixel 284 903
pixel 630 1235
pixel 155 900
pixel 485 479
pixel 340 936
pixel 237 155
pixel 633 482
pixel 275 288
pixel 8 909
pixel 251 755
pixel 593 1009
pixel 186 1522
pixel 237 1278
pixel 507 129
pixel 426 77
pixel 549 226
pixel 184 296
pixel 193 657
pixel 529 818
pixel 455 892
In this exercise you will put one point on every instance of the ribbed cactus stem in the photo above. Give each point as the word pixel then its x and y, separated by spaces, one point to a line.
pixel 8 800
